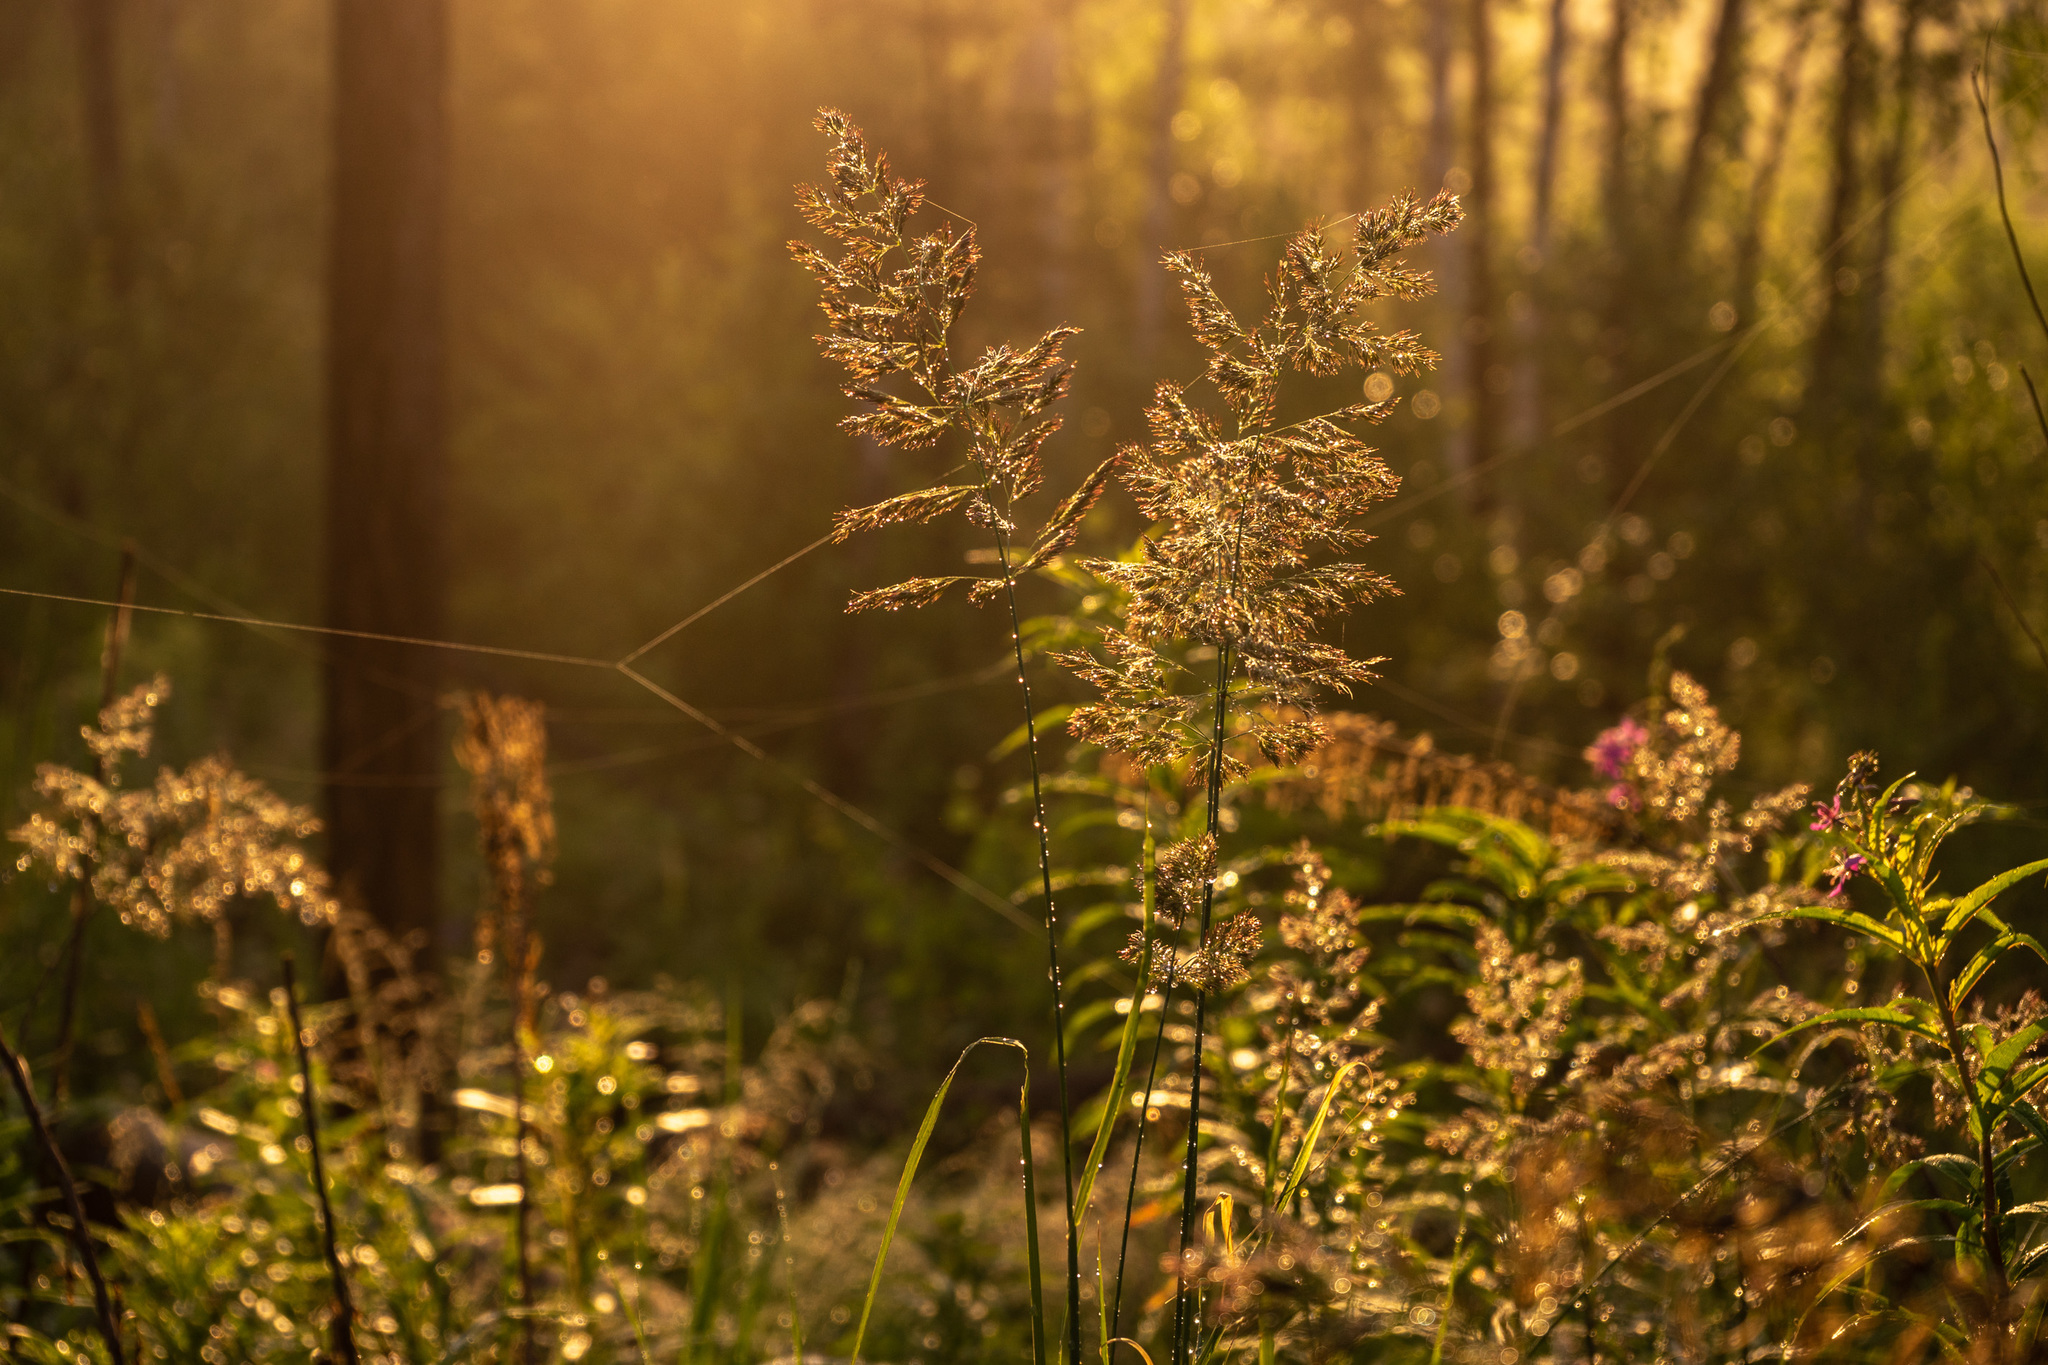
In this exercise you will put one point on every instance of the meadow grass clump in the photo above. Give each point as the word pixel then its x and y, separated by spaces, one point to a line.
pixel 1463 1065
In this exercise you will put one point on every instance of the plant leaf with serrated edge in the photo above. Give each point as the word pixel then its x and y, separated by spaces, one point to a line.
pixel 1966 908
pixel 1964 1170
pixel 1883 1014
pixel 2000 1060
pixel 1829 914
pixel 1987 957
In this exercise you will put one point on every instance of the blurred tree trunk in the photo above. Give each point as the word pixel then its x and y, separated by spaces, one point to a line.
pixel 935 47
pixel 1149 303
pixel 1525 404
pixel 386 457
pixel 1764 182
pixel 1480 435
pixel 1367 87
pixel 99 88
pixel 1442 170
pixel 1048 154
pixel 1720 82
pixel 1891 171
pixel 1833 339
pixel 1614 91
pixel 1618 210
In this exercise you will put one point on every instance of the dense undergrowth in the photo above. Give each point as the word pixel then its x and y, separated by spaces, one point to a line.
pixel 1719 1075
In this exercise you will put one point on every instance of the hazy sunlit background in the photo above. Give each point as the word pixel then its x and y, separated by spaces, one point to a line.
pixel 1738 358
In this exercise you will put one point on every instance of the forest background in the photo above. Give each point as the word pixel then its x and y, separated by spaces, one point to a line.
pixel 1731 343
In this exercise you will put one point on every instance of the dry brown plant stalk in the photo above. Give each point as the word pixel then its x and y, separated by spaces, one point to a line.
pixel 504 747
pixel 1367 767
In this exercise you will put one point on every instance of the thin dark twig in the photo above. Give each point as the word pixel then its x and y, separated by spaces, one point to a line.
pixel 2033 395
pixel 1978 82
pixel 1052 949
pixel 309 1106
pixel 81 1236
pixel 2017 614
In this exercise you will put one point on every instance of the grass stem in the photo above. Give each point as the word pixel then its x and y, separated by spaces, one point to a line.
pixel 309 1107
pixel 1185 1329
pixel 1052 948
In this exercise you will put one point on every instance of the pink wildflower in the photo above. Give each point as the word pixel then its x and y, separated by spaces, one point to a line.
pixel 1615 746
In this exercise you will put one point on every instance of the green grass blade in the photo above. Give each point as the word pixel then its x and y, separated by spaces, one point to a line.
pixel 1279 1112
pixel 924 1137
pixel 1126 1050
pixel 1030 1212
pixel 1299 1171
pixel 1102 1299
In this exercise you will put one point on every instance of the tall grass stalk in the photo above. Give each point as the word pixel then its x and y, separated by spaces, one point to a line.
pixel 1246 510
pixel 504 749
pixel 1185 1327
pixel 1072 1335
pixel 890 302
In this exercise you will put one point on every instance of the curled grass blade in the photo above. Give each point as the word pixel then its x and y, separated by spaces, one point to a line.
pixel 923 1140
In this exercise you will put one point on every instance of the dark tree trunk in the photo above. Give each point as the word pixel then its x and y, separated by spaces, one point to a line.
pixel 100 104
pixel 1869 341
pixel 1832 341
pixel 1367 82
pixel 1149 303
pixel 1770 164
pixel 1624 278
pixel 1525 416
pixel 1450 252
pixel 1481 435
pixel 1047 150
pixel 935 34
pixel 1614 89
pixel 386 458
pixel 1723 72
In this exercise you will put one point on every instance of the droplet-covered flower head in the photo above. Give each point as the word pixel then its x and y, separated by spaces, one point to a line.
pixel 185 846
pixel 1255 517
pixel 891 300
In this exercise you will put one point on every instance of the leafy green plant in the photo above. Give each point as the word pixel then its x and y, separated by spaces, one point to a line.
pixel 1984 1062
